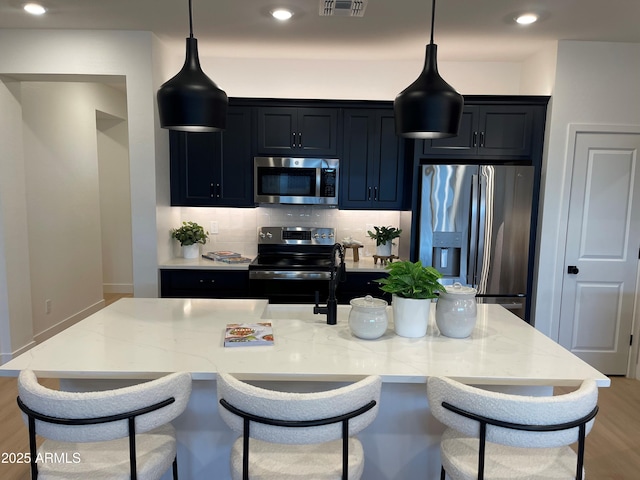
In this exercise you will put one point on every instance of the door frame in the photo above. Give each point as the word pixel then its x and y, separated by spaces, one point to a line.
pixel 574 129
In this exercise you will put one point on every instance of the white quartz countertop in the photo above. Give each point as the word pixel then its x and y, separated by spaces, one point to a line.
pixel 364 265
pixel 145 338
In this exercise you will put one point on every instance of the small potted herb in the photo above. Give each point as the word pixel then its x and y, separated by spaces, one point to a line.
pixel 190 235
pixel 384 239
pixel 412 286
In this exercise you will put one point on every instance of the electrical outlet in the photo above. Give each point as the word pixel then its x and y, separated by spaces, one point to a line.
pixel 213 228
pixel 47 306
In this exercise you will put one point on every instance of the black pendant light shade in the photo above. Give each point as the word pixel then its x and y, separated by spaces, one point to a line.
pixel 191 101
pixel 429 107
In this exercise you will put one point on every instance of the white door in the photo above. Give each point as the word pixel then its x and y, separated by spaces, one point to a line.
pixel 601 258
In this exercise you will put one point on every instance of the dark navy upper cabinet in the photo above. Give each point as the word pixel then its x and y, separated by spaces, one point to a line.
pixel 214 168
pixel 490 131
pixel 372 168
pixel 304 131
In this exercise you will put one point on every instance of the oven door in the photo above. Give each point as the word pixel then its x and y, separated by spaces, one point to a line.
pixel 289 286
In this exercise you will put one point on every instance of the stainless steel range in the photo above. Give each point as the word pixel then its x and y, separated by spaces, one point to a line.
pixel 293 263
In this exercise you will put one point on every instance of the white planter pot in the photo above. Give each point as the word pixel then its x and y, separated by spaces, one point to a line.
pixel 384 250
pixel 411 316
pixel 191 251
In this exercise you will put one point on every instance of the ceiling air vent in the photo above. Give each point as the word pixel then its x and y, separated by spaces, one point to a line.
pixel 342 8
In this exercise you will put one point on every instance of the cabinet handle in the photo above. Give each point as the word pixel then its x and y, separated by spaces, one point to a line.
pixel 212 190
pixel 294 140
pixel 218 190
pixel 369 193
pixel 475 139
pixel 482 139
pixel 210 281
pixel 375 194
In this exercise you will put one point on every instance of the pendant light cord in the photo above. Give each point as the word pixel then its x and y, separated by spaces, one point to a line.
pixel 433 17
pixel 191 23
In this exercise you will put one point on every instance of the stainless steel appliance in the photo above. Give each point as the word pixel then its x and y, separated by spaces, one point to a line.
pixel 301 181
pixel 475 228
pixel 292 264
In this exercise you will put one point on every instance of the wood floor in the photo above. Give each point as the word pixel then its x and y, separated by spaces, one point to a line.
pixel 612 453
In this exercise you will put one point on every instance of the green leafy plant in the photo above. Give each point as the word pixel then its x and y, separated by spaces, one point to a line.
pixel 190 233
pixel 382 235
pixel 411 280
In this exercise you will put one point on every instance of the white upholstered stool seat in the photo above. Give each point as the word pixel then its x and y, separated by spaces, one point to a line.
pixel 105 460
pixel 460 460
pixel 289 435
pixel 272 461
pixel 122 433
pixel 494 435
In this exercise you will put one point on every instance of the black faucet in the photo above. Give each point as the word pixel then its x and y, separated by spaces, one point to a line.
pixel 337 275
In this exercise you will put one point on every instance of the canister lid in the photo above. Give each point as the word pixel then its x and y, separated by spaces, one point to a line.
pixel 368 302
pixel 459 289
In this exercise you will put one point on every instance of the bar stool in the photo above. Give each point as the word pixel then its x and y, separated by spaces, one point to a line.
pixel 297 435
pixel 498 435
pixel 117 434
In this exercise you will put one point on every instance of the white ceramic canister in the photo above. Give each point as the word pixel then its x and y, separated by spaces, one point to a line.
pixel 368 317
pixel 456 311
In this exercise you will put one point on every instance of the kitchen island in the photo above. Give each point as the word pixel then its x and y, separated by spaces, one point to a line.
pixel 141 338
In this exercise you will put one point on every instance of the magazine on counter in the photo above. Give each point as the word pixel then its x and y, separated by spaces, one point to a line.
pixel 248 334
pixel 226 256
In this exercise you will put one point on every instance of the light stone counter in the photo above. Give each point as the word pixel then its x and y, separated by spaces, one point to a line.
pixel 144 338
pixel 364 265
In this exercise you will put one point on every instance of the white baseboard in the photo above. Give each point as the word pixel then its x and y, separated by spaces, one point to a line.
pixel 66 323
pixel 5 357
pixel 117 288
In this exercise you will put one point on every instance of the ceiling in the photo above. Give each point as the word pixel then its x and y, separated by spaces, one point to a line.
pixel 478 30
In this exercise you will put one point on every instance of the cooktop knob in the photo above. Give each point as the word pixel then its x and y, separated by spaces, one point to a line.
pixel 262 235
pixel 269 235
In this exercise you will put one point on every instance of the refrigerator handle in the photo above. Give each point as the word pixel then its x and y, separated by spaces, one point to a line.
pixel 473 229
pixel 481 273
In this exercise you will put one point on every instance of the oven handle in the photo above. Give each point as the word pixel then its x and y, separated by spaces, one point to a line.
pixel 287 275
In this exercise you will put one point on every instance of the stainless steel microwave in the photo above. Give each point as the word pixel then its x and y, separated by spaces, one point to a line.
pixel 298 181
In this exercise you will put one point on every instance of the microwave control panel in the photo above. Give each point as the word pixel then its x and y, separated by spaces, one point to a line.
pixel 328 182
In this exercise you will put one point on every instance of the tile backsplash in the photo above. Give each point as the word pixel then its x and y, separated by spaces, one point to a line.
pixel 237 227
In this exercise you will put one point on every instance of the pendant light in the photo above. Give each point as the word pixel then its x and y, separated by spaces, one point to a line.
pixel 190 101
pixel 429 107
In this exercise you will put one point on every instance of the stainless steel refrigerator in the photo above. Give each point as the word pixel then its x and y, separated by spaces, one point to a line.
pixel 475 228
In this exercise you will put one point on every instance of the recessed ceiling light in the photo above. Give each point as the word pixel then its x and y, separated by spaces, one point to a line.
pixel 282 14
pixel 527 18
pixel 34 9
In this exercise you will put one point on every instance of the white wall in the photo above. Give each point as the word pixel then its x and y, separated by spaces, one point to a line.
pixel 99 55
pixel 115 203
pixel 16 328
pixel 596 83
pixel 342 79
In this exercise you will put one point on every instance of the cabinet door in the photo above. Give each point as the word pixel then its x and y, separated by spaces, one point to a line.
pixel 287 131
pixel 195 162
pixel 236 166
pixel 204 283
pixel 464 145
pixel 506 131
pixel 389 171
pixel 317 131
pixel 213 168
pixel 277 127
pixel 356 191
pixel 361 284
pixel 372 164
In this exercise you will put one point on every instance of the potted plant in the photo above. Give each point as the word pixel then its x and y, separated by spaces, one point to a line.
pixel 383 237
pixel 190 235
pixel 412 286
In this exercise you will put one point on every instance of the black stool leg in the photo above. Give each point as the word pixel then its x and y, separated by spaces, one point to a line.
pixel 175 468
pixel 443 474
